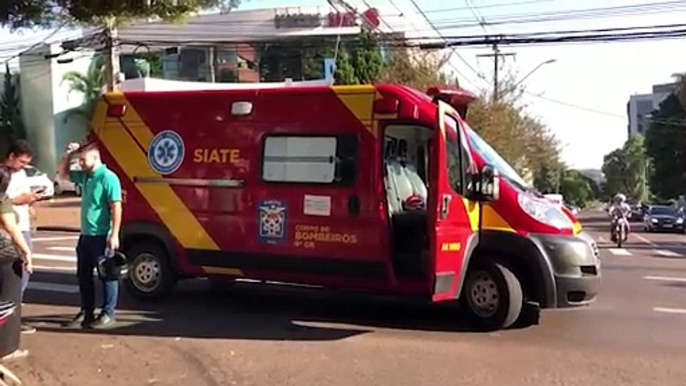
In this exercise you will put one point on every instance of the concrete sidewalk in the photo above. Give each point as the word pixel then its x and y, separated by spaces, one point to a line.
pixel 60 214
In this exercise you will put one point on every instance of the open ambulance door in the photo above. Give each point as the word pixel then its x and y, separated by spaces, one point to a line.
pixel 453 220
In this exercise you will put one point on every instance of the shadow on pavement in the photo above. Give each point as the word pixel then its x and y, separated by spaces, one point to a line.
pixel 264 312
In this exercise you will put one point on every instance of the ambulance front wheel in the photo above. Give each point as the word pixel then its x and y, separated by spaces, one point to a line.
pixel 492 296
pixel 150 275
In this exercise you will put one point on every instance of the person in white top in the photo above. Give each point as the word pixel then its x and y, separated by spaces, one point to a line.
pixel 22 196
pixel 620 210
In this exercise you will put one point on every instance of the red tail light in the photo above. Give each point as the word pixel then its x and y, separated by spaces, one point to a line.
pixel 116 111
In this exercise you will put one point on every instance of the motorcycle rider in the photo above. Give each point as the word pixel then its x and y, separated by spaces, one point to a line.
pixel 620 210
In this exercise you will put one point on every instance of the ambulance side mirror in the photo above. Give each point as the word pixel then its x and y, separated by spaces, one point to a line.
pixel 484 185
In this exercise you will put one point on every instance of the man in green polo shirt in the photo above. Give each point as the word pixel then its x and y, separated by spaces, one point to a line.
pixel 101 213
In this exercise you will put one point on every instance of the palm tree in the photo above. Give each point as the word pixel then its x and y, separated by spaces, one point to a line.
pixel 90 85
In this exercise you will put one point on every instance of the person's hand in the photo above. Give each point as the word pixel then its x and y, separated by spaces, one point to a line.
pixel 28 263
pixel 72 147
pixel 113 242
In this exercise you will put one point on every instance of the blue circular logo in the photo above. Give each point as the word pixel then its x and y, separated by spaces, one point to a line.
pixel 166 151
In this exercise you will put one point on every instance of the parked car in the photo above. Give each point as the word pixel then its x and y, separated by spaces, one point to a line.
pixel 662 217
pixel 66 186
pixel 39 181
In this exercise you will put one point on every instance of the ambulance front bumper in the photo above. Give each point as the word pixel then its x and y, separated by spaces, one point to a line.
pixel 575 268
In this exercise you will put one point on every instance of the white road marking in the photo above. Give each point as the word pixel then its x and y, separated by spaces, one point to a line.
pixel 665 278
pixel 601 239
pixel 644 239
pixel 45 268
pixel 45 256
pixel 53 287
pixel 670 310
pixel 666 253
pixel 619 252
pixel 63 249
pixel 55 238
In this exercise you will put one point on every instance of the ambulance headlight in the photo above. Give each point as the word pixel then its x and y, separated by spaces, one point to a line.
pixel 544 212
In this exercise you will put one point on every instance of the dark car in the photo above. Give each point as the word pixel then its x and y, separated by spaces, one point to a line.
pixel 663 218
pixel 637 212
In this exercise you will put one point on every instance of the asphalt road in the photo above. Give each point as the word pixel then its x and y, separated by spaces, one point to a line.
pixel 633 335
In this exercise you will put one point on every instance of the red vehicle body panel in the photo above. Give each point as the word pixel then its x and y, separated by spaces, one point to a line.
pixel 215 230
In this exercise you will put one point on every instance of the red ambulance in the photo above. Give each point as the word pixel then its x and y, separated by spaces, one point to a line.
pixel 376 187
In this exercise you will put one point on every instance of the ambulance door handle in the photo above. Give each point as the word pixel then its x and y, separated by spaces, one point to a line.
pixel 445 206
pixel 353 204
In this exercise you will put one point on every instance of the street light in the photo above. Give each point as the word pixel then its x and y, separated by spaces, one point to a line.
pixel 534 70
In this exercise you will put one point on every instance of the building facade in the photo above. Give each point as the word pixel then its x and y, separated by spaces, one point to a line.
pixel 640 107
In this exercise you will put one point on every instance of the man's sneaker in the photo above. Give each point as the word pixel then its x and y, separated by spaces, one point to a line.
pixel 27 329
pixel 103 322
pixel 80 320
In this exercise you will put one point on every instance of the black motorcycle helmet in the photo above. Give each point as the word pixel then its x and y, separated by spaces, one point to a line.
pixel 111 268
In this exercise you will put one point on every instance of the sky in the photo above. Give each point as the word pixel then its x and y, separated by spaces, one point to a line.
pixel 581 97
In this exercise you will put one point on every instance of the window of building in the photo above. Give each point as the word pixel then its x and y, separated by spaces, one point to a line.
pixel 310 159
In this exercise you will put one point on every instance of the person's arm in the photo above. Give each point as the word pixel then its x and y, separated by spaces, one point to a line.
pixel 63 169
pixel 26 198
pixel 9 224
pixel 113 191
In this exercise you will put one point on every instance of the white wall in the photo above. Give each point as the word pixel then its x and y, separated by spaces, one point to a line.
pixel 45 99
pixel 36 104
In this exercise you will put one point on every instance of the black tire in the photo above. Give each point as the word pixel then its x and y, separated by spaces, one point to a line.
pixel 150 275
pixel 509 296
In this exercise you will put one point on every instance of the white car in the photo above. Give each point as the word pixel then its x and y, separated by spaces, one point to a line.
pixel 40 181
pixel 65 186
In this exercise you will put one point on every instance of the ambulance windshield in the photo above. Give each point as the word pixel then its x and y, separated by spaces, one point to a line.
pixel 494 159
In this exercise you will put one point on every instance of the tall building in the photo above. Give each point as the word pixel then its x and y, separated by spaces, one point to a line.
pixel 641 107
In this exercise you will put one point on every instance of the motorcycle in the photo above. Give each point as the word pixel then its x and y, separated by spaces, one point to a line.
pixel 619 230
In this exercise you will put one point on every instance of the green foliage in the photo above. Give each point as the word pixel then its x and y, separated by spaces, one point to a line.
pixel 666 146
pixel 576 189
pixel 89 84
pixel 48 13
pixel 10 117
pixel 520 139
pixel 417 69
pixel 366 59
pixel 345 72
pixel 358 61
pixel 626 170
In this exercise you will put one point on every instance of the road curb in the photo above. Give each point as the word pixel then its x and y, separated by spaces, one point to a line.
pixel 58 229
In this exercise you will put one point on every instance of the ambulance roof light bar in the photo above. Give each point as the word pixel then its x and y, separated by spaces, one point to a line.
pixel 456 97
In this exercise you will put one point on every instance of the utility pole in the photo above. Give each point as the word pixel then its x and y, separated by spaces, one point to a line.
pixel 112 68
pixel 496 55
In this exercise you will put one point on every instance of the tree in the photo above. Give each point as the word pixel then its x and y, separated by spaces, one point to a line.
pixel 626 170
pixel 576 189
pixel 520 139
pixel 417 69
pixel 90 84
pixel 49 13
pixel 665 142
pixel 366 59
pixel 10 116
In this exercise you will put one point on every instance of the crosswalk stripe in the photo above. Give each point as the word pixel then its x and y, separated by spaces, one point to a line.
pixel 665 278
pixel 619 252
pixel 54 238
pixel 45 256
pixel 45 268
pixel 670 310
pixel 62 249
pixel 667 253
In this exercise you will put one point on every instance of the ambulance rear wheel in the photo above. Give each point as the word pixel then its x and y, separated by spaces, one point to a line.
pixel 150 275
pixel 492 296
